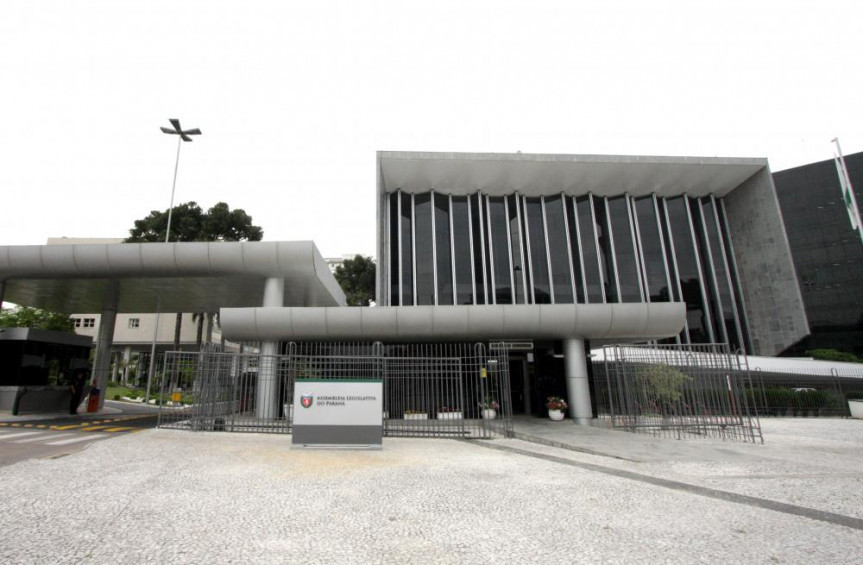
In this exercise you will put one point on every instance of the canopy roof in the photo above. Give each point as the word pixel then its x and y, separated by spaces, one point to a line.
pixel 538 174
pixel 448 323
pixel 180 277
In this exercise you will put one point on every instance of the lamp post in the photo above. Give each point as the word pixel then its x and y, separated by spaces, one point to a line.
pixel 183 136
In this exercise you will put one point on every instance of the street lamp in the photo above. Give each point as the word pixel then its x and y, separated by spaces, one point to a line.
pixel 183 136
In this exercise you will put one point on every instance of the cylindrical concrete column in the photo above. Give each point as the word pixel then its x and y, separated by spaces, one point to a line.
pixel 105 339
pixel 267 399
pixel 2 292
pixel 577 386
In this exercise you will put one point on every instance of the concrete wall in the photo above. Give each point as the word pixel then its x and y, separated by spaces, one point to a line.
pixel 774 305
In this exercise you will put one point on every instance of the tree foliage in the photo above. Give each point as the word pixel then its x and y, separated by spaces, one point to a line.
pixel 189 222
pixel 833 355
pixel 357 278
pixel 662 384
pixel 24 317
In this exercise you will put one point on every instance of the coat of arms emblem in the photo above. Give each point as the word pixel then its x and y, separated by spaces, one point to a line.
pixel 307 400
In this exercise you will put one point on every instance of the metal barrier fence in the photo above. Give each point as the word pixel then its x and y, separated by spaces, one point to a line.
pixel 677 391
pixel 430 390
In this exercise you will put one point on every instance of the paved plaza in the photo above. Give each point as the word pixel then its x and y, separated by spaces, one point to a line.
pixel 568 495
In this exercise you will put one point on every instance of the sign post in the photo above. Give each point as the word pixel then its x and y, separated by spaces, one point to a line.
pixel 338 413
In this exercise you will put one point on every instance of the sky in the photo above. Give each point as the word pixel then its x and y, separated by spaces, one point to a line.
pixel 295 98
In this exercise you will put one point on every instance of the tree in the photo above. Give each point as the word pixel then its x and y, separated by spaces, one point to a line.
pixel 24 317
pixel 190 223
pixel 357 278
pixel 662 386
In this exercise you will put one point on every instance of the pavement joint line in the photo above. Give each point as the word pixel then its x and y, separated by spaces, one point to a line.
pixel 569 447
pixel 812 514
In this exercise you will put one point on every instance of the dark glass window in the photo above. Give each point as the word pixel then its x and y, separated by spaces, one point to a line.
pixel 444 256
pixel 669 255
pixel 558 247
pixel 592 265
pixel 651 249
pixel 407 253
pixel 461 244
pixel 687 264
pixel 628 272
pixel 721 272
pixel 476 227
pixel 498 227
pixel 525 254
pixel 538 258
pixel 575 248
pixel 394 249
pixel 606 257
pixel 425 252
pixel 518 273
pixel 706 267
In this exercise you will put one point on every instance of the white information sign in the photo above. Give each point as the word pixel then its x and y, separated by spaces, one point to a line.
pixel 347 412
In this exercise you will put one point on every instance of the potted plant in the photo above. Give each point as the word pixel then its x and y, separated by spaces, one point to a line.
pixel 556 408
pixel 415 415
pixel 446 413
pixel 489 407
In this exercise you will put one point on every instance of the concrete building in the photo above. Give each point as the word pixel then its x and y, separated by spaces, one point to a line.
pixel 827 252
pixel 553 251
pixel 548 254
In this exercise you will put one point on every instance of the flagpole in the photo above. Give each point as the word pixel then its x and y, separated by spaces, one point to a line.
pixel 848 195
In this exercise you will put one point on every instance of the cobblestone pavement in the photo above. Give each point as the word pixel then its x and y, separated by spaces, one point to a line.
pixel 163 496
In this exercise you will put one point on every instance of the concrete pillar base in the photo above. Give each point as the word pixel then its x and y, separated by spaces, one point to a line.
pixel 577 386
pixel 105 339
pixel 267 400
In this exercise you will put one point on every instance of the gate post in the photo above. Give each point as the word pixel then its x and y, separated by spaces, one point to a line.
pixel 267 397
pixel 577 386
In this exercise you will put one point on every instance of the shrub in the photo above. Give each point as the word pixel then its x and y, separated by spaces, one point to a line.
pixel 833 355
pixel 117 397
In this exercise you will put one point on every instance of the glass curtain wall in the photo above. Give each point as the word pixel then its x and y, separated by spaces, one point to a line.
pixel 558 250
pixel 443 249
pixel 480 249
pixel 499 249
pixel 462 247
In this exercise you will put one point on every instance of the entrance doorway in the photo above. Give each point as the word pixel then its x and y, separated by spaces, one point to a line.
pixel 519 383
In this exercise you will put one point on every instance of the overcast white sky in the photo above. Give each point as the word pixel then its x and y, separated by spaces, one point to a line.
pixel 295 98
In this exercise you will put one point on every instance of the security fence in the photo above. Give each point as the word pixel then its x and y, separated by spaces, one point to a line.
pixel 430 390
pixel 677 391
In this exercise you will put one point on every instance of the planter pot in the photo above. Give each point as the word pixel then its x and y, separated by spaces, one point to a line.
pixel 449 416
pixel 489 413
pixel 556 415
pixel 416 416
pixel 856 409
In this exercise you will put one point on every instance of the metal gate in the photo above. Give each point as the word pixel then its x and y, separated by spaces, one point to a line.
pixel 430 390
pixel 677 391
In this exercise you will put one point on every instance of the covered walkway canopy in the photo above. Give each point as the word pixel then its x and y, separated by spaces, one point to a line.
pixel 164 277
pixel 186 277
